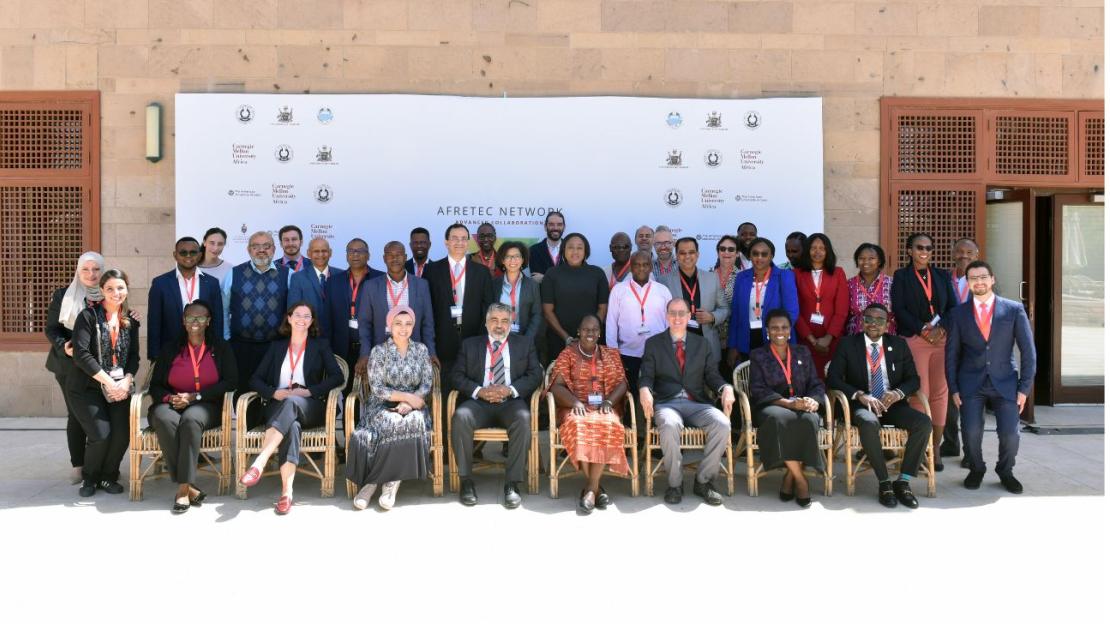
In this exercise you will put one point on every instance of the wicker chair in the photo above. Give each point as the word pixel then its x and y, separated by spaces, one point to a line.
pixel 497 435
pixel 557 470
pixel 144 443
pixel 689 438
pixel 320 440
pixel 748 446
pixel 892 439
pixel 352 412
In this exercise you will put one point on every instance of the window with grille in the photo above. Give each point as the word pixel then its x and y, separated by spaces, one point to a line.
pixel 49 203
pixel 1032 144
pixel 936 143
pixel 945 214
pixel 1092 146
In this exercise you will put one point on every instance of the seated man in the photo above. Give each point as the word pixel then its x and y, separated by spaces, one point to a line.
pixel 676 369
pixel 876 372
pixel 498 373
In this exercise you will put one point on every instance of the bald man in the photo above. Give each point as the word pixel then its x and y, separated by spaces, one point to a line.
pixel 310 284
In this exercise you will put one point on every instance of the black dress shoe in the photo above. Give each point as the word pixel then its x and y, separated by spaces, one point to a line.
pixel 804 501
pixel 512 496
pixel 973 480
pixel 1010 483
pixel 199 499
pixel 179 508
pixel 603 499
pixel 585 506
pixel 949 450
pixel 965 463
pixel 673 495
pixel 785 496
pixel 111 487
pixel 708 493
pixel 467 495
pixel 938 466
pixel 88 488
pixel 902 492
pixel 886 495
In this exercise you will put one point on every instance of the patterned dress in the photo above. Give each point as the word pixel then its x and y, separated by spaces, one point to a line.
pixel 595 437
pixel 726 286
pixel 860 297
pixel 388 446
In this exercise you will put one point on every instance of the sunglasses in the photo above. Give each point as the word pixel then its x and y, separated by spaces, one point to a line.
pixel 923 248
pixel 760 254
pixel 874 320
pixel 197 319
pixel 357 250
pixel 726 249
pixel 188 253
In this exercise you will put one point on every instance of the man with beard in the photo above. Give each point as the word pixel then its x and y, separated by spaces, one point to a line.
pixel 795 241
pixel 544 255
pixel 254 298
pixel 745 233
pixel 291 239
pixel 486 255
pixel 964 252
pixel 664 264
pixel 420 242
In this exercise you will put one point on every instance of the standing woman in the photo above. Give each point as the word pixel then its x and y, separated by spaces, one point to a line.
pixel 786 395
pixel 758 289
pixel 210 262
pixel 187 390
pixel 726 272
pixel 522 295
pixel 83 292
pixel 393 437
pixel 588 383
pixel 571 290
pixel 922 295
pixel 106 354
pixel 294 379
pixel 869 286
pixel 822 299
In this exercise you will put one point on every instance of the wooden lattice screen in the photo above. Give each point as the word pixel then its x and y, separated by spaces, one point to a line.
pixel 49 203
pixel 1092 146
pixel 946 213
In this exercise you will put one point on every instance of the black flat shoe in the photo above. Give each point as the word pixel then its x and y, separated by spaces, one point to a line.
pixel 603 499
pixel 585 506
pixel 199 499
pixel 673 495
pixel 179 508
pixel 1010 483
pixel 904 495
pixel 88 488
pixel 973 480
pixel 804 501
pixel 111 487
pixel 468 496
pixel 886 495
pixel 512 498
pixel 938 466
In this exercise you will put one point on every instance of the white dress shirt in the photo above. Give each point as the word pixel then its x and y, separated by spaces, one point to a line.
pixel 867 342
pixel 298 373
pixel 488 363
pixel 183 286
pixel 623 319
pixel 453 267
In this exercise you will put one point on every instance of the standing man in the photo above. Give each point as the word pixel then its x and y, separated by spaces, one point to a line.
pixel 676 370
pixel 645 236
pixel 637 310
pixel 420 242
pixel 172 291
pixel 545 254
pixel 664 264
pixel 487 252
pixel 746 233
pixel 310 285
pixel 620 247
pixel 964 252
pixel 291 238
pixel 979 362
pixel 461 291
pixel 793 250
pixel 343 302
pixel 254 298
pixel 702 291
pixel 384 293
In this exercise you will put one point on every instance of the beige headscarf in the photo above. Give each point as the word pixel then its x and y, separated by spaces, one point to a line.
pixel 73 302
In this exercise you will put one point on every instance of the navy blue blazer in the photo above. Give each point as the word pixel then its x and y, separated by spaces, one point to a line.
pixel 780 292
pixel 338 307
pixel 321 371
pixel 305 286
pixel 539 260
pixel 969 359
pixel 374 307
pixel 165 308
pixel 410 265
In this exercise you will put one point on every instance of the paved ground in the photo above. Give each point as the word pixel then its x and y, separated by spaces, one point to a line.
pixel 1042 555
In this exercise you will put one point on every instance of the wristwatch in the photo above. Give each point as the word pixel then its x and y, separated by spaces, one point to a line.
pixel 196 397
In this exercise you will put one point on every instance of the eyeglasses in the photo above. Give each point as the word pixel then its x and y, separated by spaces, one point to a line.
pixel 357 250
pixel 760 254
pixel 726 249
pixel 458 240
pixel 513 257
pixel 868 319
pixel 305 316
pixel 198 319
pixel 678 313
pixel 923 248
pixel 664 243
pixel 188 253
pixel 487 235
pixel 254 247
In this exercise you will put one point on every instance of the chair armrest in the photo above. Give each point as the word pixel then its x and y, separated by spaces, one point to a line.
pixel 537 395
pixel 332 408
pixel 745 409
pixel 631 411
pixel 225 418
pixel 350 409
pixel 452 397
pixel 135 416
pixel 838 398
pixel 241 417
pixel 551 425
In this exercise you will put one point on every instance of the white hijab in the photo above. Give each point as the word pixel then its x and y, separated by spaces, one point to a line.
pixel 73 302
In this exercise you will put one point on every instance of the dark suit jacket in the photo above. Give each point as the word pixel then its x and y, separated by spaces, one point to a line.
pixel 969 359
pixel 410 266
pixel 375 306
pixel 338 307
pixel 911 309
pixel 321 372
pixel 305 286
pixel 163 315
pixel 849 371
pixel 85 351
pixel 57 362
pixel 659 368
pixel 470 373
pixel 225 366
pixel 768 383
pixel 780 292
pixel 539 261
pixel 529 307
pixel 476 299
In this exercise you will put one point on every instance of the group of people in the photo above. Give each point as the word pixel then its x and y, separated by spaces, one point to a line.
pixel 650 324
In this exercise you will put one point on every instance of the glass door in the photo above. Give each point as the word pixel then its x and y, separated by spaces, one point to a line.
pixel 1079 323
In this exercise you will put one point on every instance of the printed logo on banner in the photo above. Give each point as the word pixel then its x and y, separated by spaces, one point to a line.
pixel 674 120
pixel 324 155
pixel 242 193
pixel 242 153
pixel 673 160
pixel 713 120
pixel 285 115
pixel 323 194
pixel 243 228
pixel 324 115
pixel 673 197
pixel 245 113
pixel 283 194
pixel 712 198
pixel 321 231
pixel 752 120
pixel 712 158
pixel 283 153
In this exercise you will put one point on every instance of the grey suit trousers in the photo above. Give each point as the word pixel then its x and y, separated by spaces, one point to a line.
pixel 674 414
pixel 475 414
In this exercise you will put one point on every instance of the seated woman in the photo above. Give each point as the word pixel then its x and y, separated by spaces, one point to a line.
pixel 786 395
pixel 588 383
pixel 393 437
pixel 294 379
pixel 187 390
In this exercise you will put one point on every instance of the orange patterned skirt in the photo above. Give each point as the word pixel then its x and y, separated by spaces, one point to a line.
pixel 595 438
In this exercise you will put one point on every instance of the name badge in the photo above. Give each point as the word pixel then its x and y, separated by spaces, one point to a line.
pixel 594 399
pixel 352 324
pixel 756 324
pixel 693 323
pixel 116 373
pixel 817 319
pixel 515 328
pixel 935 321
pixel 456 312
pixel 644 330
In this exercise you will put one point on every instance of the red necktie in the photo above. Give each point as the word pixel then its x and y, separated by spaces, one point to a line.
pixel 984 321
pixel 680 354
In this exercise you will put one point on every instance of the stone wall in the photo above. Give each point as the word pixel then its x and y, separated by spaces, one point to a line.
pixel 851 53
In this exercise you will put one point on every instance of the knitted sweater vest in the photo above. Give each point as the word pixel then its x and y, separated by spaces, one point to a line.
pixel 257 302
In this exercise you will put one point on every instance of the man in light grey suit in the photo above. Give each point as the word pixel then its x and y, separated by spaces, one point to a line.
pixel 702 291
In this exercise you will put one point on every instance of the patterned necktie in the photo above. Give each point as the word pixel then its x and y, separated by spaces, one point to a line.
pixel 877 386
pixel 497 367
pixel 680 354
pixel 323 284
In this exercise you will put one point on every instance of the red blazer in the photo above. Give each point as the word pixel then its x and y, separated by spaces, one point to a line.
pixel 834 303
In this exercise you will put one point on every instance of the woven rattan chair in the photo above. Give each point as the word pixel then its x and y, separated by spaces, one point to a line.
pixel 689 438
pixel 144 444
pixel 892 439
pixel 748 447
pixel 557 470
pixel 320 440
pixel 354 402
pixel 497 435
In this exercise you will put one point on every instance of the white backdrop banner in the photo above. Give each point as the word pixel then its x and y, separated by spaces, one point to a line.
pixel 376 166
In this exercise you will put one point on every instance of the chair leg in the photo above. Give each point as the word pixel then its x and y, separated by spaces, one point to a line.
pixel 437 471
pixel 240 467
pixel 649 477
pixel 136 493
pixel 553 474
pixel 753 479
pixel 327 485
pixel 225 472
pixel 454 469
pixel 635 471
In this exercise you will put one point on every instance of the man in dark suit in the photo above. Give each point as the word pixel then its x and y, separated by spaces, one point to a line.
pixel 171 291
pixel 419 242
pixel 979 362
pixel 396 288
pixel 544 255
pixel 676 369
pixel 876 371
pixel 498 382
pixel 461 292
pixel 309 285
pixel 343 301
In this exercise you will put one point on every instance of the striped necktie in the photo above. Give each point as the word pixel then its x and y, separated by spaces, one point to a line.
pixel 497 367
pixel 876 364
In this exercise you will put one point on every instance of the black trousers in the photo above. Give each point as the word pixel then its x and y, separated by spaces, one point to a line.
pixel 952 426
pixel 475 414
pixel 106 430
pixel 247 356
pixel 631 365
pixel 179 434
pixel 289 416
pixel 75 434
pixel 900 415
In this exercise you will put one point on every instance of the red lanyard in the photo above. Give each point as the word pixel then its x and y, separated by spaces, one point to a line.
pixel 787 369
pixel 873 290
pixel 293 361
pixel 389 285
pixel 618 276
pixel 722 277
pixel 354 292
pixel 641 300
pixel 664 272
pixel 817 288
pixel 927 285
pixel 691 291
pixel 297 266
pixel 113 336
pixel 512 293
pixel 455 281
pixel 494 355
pixel 759 286
pixel 956 285
pixel 418 268
pixel 196 364
pixel 190 288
